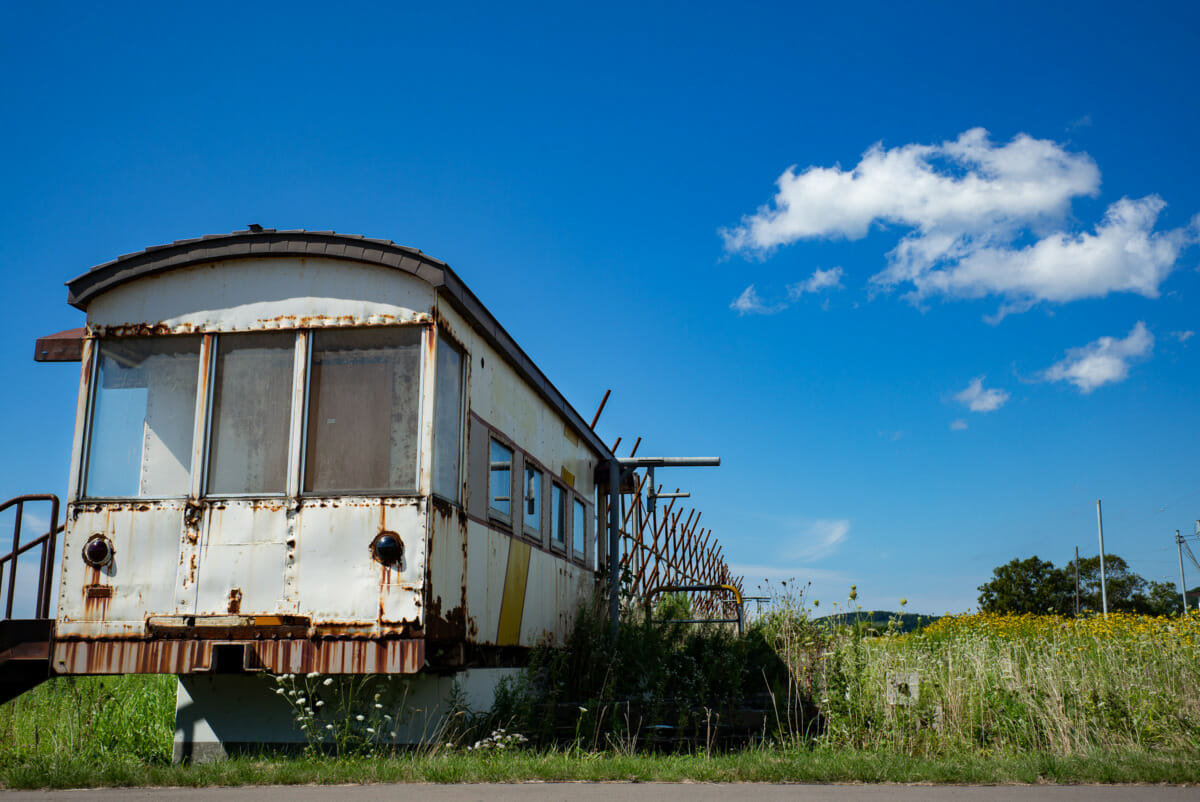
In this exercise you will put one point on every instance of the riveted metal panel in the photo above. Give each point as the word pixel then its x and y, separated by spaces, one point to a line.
pixel 244 558
pixel 113 599
pixel 341 584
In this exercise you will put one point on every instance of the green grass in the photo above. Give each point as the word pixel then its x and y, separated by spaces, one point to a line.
pixel 772 765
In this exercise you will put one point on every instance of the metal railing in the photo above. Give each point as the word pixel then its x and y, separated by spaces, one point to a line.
pixel 738 606
pixel 47 543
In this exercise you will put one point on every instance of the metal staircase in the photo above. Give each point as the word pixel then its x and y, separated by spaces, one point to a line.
pixel 25 642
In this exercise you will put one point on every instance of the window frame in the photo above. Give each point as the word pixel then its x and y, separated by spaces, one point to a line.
pixel 89 421
pixel 494 515
pixel 463 416
pixel 209 406
pixel 298 411
pixel 533 531
pixel 423 378
pixel 561 546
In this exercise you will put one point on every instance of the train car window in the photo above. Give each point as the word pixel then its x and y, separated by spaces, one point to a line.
pixel 500 481
pixel 252 390
pixel 143 408
pixel 363 410
pixel 558 515
pixel 447 422
pixel 578 522
pixel 533 501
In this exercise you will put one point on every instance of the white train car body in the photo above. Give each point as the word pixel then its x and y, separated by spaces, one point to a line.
pixel 302 451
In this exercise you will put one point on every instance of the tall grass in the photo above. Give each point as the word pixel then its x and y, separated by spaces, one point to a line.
pixel 1014 683
pixel 128 719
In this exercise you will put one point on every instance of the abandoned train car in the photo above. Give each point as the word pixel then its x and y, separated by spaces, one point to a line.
pixel 304 451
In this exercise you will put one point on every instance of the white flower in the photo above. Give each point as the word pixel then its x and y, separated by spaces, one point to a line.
pixel 371 730
pixel 312 674
pixel 360 717
pixel 320 703
pixel 279 691
pixel 329 726
pixel 328 681
pixel 378 706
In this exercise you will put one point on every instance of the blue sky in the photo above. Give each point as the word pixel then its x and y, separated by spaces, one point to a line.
pixel 916 389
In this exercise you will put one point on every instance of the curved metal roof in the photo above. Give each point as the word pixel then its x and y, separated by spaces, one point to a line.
pixel 331 245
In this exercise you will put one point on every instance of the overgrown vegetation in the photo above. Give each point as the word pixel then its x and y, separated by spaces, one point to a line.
pixel 978 698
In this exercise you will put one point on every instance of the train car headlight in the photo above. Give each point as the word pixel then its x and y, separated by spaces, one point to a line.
pixel 387 548
pixel 98 551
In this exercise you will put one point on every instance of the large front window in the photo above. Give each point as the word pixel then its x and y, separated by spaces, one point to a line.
pixel 251 402
pixel 359 433
pixel 143 416
pixel 363 410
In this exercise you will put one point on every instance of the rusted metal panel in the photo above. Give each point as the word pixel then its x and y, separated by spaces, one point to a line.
pixel 112 600
pixel 169 656
pixel 81 409
pixel 487 563
pixel 445 606
pixel 258 294
pixel 340 582
pixel 244 558
pixel 64 346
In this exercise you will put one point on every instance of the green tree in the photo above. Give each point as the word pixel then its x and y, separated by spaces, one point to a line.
pixel 1036 586
pixel 1162 598
pixel 1027 586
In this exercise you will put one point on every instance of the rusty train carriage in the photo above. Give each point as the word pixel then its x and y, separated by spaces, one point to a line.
pixel 300 451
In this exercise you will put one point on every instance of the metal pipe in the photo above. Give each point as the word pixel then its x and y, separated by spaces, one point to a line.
pixel 12 572
pixel 676 462
pixel 614 544
pixel 1103 580
pixel 603 401
pixel 1182 584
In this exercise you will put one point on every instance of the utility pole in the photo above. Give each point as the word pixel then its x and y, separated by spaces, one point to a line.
pixel 1182 585
pixel 1076 581
pixel 1103 579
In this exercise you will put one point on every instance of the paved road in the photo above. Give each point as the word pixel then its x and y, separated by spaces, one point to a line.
pixel 628 792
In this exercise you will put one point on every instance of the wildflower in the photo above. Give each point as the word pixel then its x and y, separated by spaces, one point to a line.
pixel 313 674
pixel 329 726
pixel 320 703
pixel 360 717
pixel 279 691
pixel 581 710
pixel 328 681
pixel 371 730
pixel 378 706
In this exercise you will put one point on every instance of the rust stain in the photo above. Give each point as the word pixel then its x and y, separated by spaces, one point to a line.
pixel 235 600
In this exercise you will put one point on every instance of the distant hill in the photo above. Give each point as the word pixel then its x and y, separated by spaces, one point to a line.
pixel 879 619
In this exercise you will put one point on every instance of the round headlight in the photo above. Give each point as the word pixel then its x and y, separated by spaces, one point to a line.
pixel 98 551
pixel 387 548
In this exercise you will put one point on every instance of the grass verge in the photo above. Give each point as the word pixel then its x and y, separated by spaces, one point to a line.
pixel 774 765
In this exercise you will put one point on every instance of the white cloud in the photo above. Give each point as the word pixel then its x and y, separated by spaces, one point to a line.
pixel 978 399
pixel 1105 361
pixel 958 425
pixel 803 540
pixel 1124 254
pixel 1183 336
pixel 749 303
pixel 820 280
pixel 965 203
